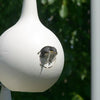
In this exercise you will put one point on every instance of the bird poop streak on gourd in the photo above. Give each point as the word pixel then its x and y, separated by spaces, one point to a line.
pixel 47 57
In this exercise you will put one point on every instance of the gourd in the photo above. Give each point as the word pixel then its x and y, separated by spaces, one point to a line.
pixel 21 67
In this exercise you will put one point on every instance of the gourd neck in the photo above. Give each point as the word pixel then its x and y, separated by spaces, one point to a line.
pixel 30 9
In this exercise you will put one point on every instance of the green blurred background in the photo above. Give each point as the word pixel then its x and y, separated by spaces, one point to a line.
pixel 70 21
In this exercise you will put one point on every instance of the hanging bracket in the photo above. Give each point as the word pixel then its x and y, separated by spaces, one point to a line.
pixel 5 94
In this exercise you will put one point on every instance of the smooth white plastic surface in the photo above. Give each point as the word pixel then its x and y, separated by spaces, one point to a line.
pixel 19 59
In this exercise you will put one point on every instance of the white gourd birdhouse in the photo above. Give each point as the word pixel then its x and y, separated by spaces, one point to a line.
pixel 31 56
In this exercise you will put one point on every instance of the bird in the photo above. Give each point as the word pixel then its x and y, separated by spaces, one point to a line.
pixel 47 56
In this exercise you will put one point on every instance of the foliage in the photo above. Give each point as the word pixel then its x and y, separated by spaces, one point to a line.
pixel 70 21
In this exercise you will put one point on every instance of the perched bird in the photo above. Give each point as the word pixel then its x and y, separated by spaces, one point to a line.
pixel 47 56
